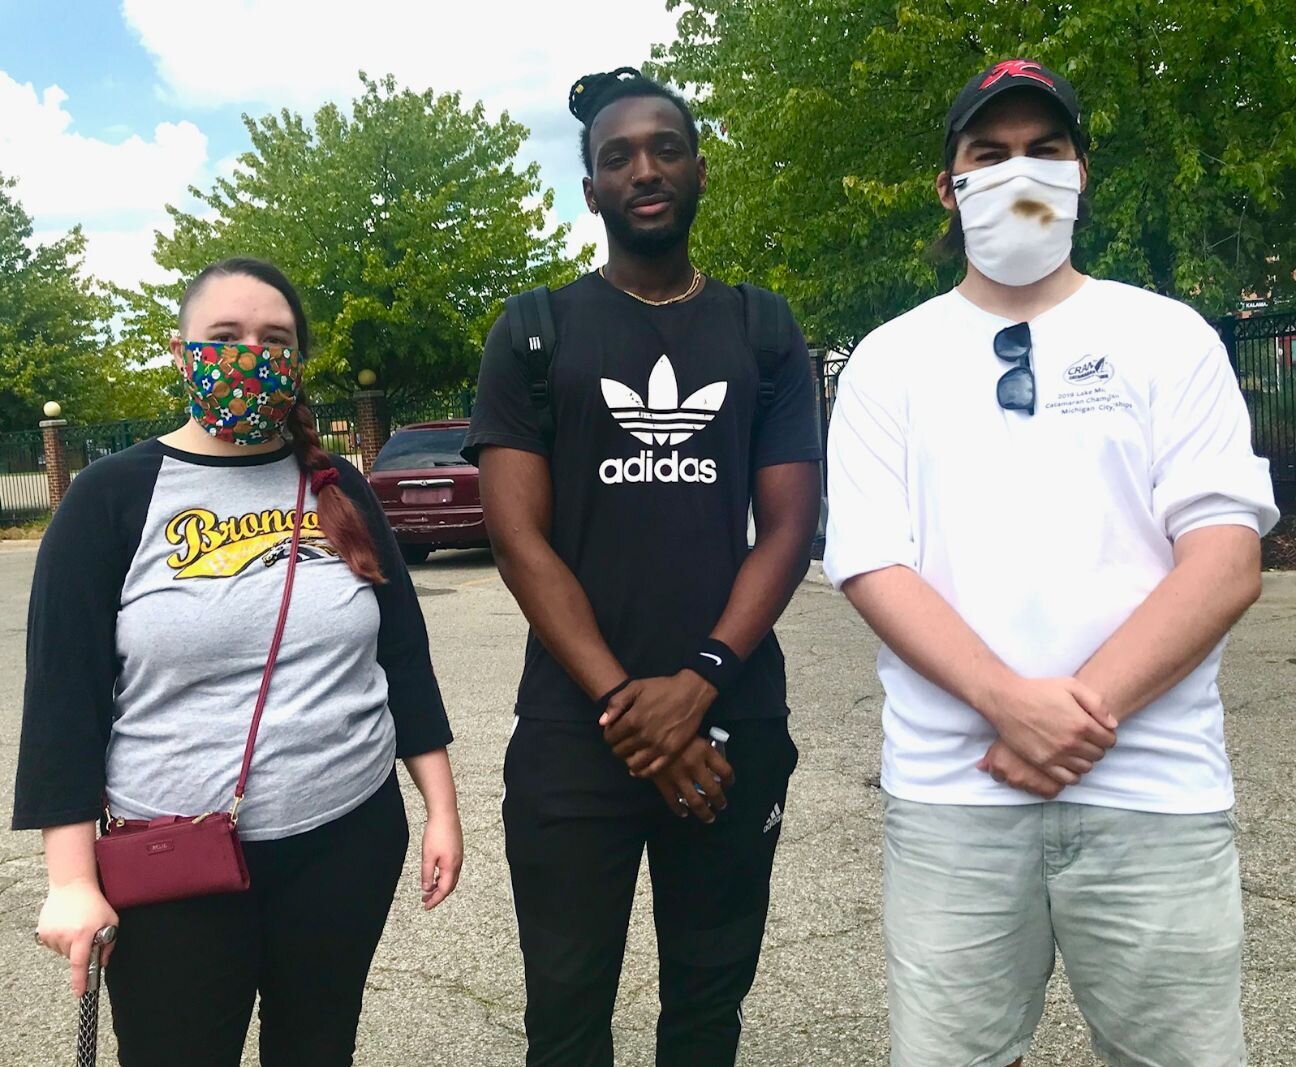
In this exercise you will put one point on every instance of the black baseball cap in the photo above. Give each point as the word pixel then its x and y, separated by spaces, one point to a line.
pixel 1013 74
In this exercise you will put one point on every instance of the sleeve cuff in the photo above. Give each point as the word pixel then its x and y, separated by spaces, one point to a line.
pixel 43 820
pixel 839 571
pixel 476 442
pixel 1214 509
pixel 422 725
pixel 1223 518
pixel 1199 496
pixel 426 742
pixel 800 455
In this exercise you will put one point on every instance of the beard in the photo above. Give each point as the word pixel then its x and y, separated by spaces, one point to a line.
pixel 655 242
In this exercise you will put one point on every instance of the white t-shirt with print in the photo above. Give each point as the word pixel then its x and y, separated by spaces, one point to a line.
pixel 1043 532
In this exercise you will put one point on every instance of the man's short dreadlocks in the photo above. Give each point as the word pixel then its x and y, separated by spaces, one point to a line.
pixel 592 93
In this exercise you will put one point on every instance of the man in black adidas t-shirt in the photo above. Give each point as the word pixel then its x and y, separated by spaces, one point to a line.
pixel 623 535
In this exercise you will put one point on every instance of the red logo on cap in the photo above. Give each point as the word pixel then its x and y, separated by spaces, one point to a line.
pixel 1017 68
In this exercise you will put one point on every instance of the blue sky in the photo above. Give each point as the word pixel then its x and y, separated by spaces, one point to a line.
pixel 110 109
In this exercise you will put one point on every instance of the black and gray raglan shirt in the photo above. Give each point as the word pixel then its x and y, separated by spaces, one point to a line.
pixel 155 597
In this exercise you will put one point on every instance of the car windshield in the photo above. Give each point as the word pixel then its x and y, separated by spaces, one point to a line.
pixel 410 449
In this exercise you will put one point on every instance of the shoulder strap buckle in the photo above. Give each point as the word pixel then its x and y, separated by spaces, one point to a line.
pixel 535 340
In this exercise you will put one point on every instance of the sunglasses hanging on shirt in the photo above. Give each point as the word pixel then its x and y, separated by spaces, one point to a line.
pixel 1016 389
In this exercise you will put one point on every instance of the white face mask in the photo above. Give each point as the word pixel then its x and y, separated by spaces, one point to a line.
pixel 1018 216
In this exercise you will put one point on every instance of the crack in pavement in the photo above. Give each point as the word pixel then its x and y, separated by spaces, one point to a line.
pixel 1250 888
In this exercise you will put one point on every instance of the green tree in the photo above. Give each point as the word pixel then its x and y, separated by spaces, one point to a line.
pixel 825 132
pixel 404 227
pixel 55 340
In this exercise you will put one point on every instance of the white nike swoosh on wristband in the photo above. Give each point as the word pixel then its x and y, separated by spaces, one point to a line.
pixel 711 655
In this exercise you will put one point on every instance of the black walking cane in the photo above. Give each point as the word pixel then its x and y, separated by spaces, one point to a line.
pixel 88 1028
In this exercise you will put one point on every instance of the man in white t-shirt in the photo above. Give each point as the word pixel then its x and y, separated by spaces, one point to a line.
pixel 1043 498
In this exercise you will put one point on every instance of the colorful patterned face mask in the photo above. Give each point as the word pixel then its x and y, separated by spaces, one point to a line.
pixel 242 393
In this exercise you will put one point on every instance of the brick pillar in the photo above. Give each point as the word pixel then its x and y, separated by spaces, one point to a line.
pixel 56 469
pixel 373 426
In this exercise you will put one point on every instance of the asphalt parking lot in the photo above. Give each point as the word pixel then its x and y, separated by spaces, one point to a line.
pixel 446 988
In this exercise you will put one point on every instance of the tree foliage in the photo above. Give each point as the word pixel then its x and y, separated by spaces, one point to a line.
pixel 403 226
pixel 55 338
pixel 825 133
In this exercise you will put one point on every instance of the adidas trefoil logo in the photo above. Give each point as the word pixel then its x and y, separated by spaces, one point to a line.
pixel 775 817
pixel 663 420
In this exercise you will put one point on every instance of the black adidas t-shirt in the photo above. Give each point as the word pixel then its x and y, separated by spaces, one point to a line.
pixel 657 441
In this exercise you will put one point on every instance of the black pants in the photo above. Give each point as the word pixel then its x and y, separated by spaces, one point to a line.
pixel 575 826
pixel 184 975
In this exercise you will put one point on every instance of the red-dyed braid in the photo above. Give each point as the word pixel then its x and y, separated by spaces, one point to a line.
pixel 341 522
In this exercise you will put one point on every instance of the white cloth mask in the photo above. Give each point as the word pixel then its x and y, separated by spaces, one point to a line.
pixel 1018 217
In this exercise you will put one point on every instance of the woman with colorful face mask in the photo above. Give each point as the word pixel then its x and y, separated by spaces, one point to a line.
pixel 157 592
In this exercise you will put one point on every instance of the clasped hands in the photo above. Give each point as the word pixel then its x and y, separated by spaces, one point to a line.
pixel 652 724
pixel 1051 733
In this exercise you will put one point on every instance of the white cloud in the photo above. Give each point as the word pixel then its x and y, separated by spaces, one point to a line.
pixel 63 174
pixel 121 256
pixel 298 53
pixel 115 190
pixel 516 55
pixel 125 256
pixel 588 229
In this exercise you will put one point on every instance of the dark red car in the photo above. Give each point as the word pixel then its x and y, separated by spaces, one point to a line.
pixel 428 491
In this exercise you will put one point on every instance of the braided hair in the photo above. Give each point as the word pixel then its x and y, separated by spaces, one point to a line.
pixel 338 516
pixel 592 93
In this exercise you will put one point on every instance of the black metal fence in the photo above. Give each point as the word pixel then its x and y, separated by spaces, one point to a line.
pixel 336 424
pixel 24 485
pixel 1260 348
pixel 85 444
pixel 24 489
pixel 827 367
pixel 432 407
pixel 339 430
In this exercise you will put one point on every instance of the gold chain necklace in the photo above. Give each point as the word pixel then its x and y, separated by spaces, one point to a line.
pixel 694 285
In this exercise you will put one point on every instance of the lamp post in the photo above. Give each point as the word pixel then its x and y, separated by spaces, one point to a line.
pixel 56 469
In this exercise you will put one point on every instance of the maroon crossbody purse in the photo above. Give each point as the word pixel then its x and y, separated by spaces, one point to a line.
pixel 174 857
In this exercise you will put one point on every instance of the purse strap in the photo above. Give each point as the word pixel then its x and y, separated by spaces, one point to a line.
pixel 273 654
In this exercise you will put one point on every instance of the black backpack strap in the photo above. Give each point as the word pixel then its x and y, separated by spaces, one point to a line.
pixel 769 333
pixel 534 341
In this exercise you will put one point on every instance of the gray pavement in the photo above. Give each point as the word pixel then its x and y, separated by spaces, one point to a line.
pixel 446 988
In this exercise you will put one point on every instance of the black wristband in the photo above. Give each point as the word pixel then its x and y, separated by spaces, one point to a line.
pixel 717 663
pixel 606 698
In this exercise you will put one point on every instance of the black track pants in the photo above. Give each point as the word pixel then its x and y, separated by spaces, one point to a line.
pixel 576 825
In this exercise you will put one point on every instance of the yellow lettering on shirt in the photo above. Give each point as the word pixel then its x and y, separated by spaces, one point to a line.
pixel 213 547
